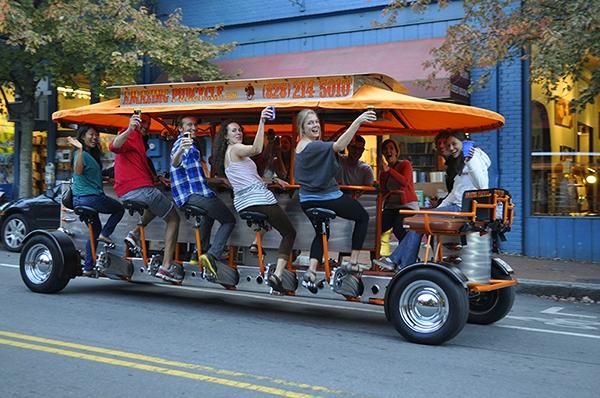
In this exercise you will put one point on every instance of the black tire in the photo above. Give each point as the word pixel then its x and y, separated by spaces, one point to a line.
pixel 41 265
pixel 490 307
pixel 14 230
pixel 428 324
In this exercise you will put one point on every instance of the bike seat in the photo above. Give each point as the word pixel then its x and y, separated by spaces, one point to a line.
pixel 85 213
pixel 320 214
pixel 191 210
pixel 134 206
pixel 252 216
pixel 435 225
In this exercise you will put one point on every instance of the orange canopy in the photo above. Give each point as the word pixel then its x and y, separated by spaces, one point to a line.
pixel 399 113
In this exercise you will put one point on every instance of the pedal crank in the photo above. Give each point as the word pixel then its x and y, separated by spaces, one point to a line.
pixel 346 283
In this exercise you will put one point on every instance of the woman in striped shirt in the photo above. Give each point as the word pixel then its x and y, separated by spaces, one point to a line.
pixel 249 190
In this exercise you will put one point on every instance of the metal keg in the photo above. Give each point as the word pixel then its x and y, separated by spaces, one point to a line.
pixel 473 259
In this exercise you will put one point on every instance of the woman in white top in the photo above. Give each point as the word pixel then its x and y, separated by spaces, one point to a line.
pixel 471 174
pixel 249 190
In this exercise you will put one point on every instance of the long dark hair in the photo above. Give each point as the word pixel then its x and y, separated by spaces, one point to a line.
pixel 96 152
pixel 455 166
pixel 220 144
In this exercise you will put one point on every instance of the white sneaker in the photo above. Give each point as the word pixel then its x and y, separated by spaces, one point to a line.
pixel 358 267
pixel 385 263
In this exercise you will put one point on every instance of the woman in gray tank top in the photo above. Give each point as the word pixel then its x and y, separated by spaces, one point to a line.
pixel 249 190
pixel 315 169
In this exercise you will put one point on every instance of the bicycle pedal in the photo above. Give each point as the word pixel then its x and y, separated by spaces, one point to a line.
pixel 310 286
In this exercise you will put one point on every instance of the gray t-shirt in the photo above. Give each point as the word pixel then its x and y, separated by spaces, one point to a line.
pixel 316 167
pixel 359 174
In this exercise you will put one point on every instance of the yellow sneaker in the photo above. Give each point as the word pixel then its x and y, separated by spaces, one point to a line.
pixel 208 263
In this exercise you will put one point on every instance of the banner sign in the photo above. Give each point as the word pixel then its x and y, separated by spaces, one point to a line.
pixel 318 88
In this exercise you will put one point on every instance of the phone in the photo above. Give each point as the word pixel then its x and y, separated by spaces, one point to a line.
pixel 137 112
pixel 187 134
pixel 273 112
pixel 467 145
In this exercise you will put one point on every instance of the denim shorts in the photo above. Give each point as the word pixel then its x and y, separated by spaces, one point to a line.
pixel 157 203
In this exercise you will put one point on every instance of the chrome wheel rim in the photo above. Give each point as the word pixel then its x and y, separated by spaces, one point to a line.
pixel 14 233
pixel 38 263
pixel 424 306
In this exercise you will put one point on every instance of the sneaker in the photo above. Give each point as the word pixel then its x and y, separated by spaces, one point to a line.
pixel 209 264
pixel 131 240
pixel 172 274
pixel 132 243
pixel 309 281
pixel 355 267
pixel 385 263
pixel 87 272
pixel 106 239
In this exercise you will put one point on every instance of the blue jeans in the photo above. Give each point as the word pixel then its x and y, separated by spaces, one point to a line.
pixel 408 248
pixel 220 212
pixel 105 205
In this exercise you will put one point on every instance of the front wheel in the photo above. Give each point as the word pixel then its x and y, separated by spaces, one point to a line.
pixel 427 307
pixel 490 307
pixel 42 266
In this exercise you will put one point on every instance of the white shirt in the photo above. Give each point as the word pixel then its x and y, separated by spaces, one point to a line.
pixel 474 176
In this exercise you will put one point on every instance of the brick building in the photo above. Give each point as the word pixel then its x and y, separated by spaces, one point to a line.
pixel 540 158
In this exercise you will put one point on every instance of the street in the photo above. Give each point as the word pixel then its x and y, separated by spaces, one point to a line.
pixel 102 338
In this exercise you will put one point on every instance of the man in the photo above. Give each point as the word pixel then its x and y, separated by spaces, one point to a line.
pixel 354 171
pixel 134 180
pixel 190 185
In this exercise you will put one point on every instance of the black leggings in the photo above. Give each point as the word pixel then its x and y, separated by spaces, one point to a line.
pixel 344 207
pixel 281 222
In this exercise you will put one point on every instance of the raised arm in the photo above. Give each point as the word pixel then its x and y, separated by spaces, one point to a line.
pixel 241 150
pixel 186 143
pixel 344 140
pixel 134 122
pixel 79 162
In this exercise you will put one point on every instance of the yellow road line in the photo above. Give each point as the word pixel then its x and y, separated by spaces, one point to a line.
pixel 158 369
pixel 167 362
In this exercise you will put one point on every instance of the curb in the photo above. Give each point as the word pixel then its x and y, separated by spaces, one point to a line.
pixel 556 288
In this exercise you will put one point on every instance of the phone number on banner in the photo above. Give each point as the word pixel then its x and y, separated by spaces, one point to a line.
pixel 321 88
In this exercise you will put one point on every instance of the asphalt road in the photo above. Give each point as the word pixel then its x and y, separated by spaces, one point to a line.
pixel 100 338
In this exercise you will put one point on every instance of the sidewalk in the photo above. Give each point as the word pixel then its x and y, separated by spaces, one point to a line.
pixel 548 277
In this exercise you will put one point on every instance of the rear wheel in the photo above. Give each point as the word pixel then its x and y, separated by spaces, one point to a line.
pixel 490 307
pixel 427 307
pixel 41 265
pixel 14 231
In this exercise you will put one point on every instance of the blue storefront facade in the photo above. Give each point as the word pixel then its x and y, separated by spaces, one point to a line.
pixel 548 172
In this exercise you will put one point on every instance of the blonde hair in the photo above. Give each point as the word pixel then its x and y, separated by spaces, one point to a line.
pixel 301 118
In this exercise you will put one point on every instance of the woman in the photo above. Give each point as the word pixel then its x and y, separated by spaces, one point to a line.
pixel 396 175
pixel 88 191
pixel 471 173
pixel 249 191
pixel 316 167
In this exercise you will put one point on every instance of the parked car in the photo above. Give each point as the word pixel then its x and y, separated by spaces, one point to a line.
pixel 19 217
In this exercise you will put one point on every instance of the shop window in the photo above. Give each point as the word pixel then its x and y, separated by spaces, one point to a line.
pixel 428 168
pixel 565 157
